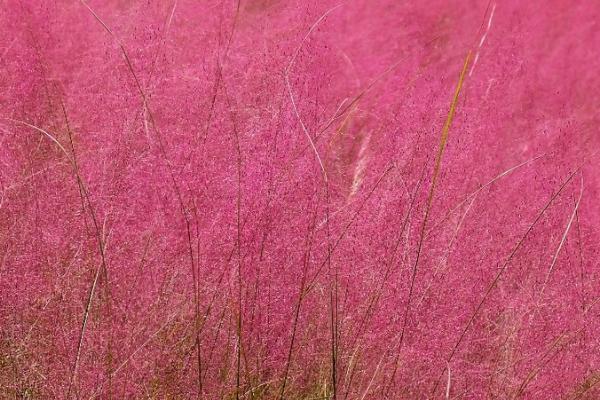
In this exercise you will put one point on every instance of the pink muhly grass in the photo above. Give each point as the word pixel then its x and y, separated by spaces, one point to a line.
pixel 262 199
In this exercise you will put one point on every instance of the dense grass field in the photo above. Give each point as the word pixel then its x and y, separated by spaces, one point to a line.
pixel 299 199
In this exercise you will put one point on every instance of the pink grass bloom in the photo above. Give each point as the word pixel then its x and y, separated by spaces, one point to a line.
pixel 273 199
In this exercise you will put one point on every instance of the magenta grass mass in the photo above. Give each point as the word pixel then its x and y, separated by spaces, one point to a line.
pixel 273 199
